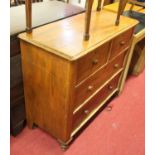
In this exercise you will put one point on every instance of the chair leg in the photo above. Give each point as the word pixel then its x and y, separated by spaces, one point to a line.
pixel 99 5
pixel 28 6
pixel 131 8
pixel 89 4
pixel 121 7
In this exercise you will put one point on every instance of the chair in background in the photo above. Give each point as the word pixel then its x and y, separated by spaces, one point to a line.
pixel 136 59
pixel 122 4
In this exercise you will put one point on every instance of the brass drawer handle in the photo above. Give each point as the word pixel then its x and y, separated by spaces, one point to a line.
pixel 110 87
pixel 122 43
pixel 95 61
pixel 90 88
pixel 86 112
pixel 116 66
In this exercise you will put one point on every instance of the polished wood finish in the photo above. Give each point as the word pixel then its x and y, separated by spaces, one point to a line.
pixel 99 6
pixel 89 5
pixel 121 7
pixel 17 101
pixel 95 81
pixel 85 111
pixel 53 98
pixel 28 7
pixel 51 61
pixel 73 47
pixel 92 61
pixel 121 42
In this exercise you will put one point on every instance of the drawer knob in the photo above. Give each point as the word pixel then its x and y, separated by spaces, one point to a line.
pixel 122 43
pixel 90 88
pixel 116 65
pixel 110 87
pixel 86 111
pixel 95 61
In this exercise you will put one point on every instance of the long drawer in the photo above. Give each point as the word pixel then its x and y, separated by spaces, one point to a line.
pixel 94 82
pixel 92 61
pixel 84 112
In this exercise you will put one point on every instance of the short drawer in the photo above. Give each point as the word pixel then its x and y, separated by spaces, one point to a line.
pixel 90 62
pixel 120 43
pixel 94 82
pixel 96 101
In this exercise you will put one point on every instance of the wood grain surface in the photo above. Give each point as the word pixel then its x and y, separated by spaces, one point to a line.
pixel 65 37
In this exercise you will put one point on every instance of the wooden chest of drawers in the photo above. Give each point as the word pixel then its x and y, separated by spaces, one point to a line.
pixel 46 10
pixel 67 80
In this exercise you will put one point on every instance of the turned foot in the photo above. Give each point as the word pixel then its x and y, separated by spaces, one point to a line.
pixel 31 125
pixel 34 126
pixel 64 147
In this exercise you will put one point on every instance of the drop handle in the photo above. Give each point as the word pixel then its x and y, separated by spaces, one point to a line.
pixel 90 88
pixel 86 112
pixel 95 61
pixel 116 66
pixel 110 87
pixel 122 43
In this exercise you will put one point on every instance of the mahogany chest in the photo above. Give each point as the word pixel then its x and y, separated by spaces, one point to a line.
pixel 67 80
pixel 48 12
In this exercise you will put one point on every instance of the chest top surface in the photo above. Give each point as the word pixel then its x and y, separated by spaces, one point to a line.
pixel 65 38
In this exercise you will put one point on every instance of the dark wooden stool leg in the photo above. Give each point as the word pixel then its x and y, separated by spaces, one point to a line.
pixel 121 7
pixel 99 5
pixel 89 4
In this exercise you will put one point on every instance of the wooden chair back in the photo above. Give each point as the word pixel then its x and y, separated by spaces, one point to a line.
pixel 122 4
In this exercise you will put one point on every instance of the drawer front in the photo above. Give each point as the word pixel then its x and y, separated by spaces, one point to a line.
pixel 120 43
pixel 88 87
pixel 90 62
pixel 86 110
